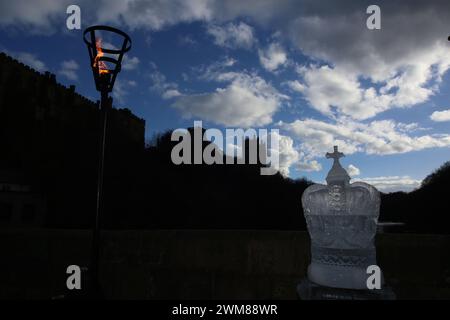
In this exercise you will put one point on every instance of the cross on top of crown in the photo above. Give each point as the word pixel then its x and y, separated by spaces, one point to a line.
pixel 335 155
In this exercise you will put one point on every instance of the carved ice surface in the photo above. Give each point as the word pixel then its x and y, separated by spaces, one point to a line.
pixel 342 222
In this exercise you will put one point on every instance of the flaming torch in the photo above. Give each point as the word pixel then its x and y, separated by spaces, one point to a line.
pixel 104 78
pixel 100 64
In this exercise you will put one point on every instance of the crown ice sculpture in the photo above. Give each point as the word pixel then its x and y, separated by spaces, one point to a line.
pixel 342 221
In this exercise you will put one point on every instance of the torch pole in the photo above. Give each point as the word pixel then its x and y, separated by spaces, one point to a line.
pixel 105 104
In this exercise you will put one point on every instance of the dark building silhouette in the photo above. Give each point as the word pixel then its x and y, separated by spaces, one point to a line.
pixel 20 206
pixel 49 135
pixel 213 196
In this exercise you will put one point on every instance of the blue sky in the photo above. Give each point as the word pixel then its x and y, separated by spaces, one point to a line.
pixel 313 71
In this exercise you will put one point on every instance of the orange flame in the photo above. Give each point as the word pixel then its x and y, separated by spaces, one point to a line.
pixel 102 67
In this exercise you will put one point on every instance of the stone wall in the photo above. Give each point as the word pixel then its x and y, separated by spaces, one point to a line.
pixel 205 264
pixel 50 134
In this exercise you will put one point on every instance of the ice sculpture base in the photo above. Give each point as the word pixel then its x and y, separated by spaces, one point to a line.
pixel 307 290
pixel 336 276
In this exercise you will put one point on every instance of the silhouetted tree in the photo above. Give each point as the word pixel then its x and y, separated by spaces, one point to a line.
pixel 424 210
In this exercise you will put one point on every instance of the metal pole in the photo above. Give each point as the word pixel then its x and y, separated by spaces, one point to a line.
pixel 105 104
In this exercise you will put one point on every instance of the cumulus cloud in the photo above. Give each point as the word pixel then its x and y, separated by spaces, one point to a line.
pixel 153 15
pixel 336 33
pixel 213 70
pixel 376 137
pixel 46 15
pixel 122 88
pixel 171 93
pixel 309 166
pixel 69 69
pixel 368 72
pixel 36 16
pixel 306 162
pixel 288 155
pixel 295 85
pixel 272 57
pixel 337 91
pixel 130 63
pixel 29 59
pixel 247 100
pixel 134 14
pixel 440 116
pixel 160 85
pixel 232 35
pixel 392 183
pixel 353 171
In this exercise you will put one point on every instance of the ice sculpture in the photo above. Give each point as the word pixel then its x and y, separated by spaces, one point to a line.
pixel 342 222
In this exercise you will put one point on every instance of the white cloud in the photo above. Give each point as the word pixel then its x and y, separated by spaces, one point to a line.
pixel 337 34
pixel 295 85
pixel 392 183
pixel 36 16
pixel 288 155
pixel 410 127
pixel 212 71
pixel 272 57
pixel 29 59
pixel 130 63
pixel 232 35
pixel 324 87
pixel 187 40
pixel 377 137
pixel 330 90
pixel 353 171
pixel 153 15
pixel 119 91
pixel 440 116
pixel 306 162
pixel 246 101
pixel 372 71
pixel 309 166
pixel 69 69
pixel 171 93
pixel 166 89
pixel 122 88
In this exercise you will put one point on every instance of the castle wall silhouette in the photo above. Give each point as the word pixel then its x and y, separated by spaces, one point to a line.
pixel 49 135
